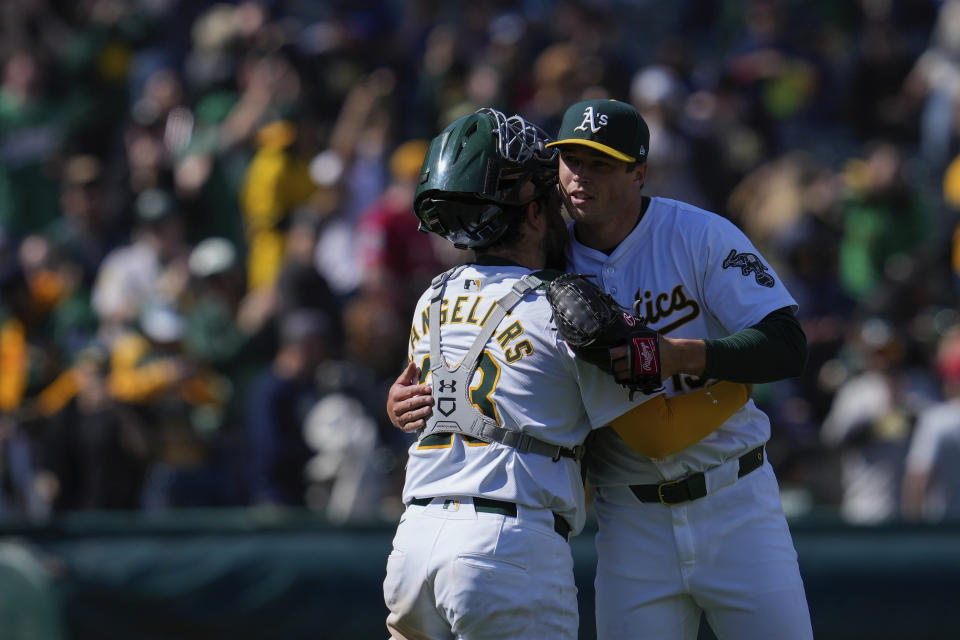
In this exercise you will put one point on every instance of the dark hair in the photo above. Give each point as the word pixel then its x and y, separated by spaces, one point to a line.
pixel 515 215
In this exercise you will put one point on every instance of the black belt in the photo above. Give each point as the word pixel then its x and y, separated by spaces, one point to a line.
pixel 504 508
pixel 694 486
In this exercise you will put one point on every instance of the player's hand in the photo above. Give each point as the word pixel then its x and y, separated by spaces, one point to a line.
pixel 677 355
pixel 409 404
pixel 620 363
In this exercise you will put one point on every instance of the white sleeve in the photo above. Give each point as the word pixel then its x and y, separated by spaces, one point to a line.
pixel 739 286
pixel 924 446
pixel 603 399
pixel 862 398
pixel 110 295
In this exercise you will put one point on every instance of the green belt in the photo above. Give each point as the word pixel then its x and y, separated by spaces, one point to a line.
pixel 509 509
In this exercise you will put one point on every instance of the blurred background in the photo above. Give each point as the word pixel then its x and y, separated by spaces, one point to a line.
pixel 208 262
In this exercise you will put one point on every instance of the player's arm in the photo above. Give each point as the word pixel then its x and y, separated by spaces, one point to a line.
pixel 919 465
pixel 773 349
pixel 409 403
pixel 914 494
pixel 600 332
pixel 662 426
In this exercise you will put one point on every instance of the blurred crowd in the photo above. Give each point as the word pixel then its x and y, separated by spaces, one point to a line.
pixel 208 256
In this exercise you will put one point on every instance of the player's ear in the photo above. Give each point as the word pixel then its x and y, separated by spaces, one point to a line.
pixel 640 173
pixel 533 212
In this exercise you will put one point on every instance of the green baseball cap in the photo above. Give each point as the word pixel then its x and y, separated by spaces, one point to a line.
pixel 610 126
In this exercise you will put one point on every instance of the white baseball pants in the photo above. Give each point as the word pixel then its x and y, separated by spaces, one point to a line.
pixel 728 554
pixel 456 573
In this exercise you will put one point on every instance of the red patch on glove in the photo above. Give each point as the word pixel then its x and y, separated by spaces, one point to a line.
pixel 645 356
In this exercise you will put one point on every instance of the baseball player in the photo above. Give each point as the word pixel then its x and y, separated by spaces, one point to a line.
pixel 493 482
pixel 701 530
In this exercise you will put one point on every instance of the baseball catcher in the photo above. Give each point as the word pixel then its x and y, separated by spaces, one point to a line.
pixel 605 334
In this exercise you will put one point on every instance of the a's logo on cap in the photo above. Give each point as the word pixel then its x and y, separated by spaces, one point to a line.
pixel 590 120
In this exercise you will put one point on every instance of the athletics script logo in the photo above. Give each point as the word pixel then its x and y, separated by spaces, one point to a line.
pixel 749 263
pixel 590 121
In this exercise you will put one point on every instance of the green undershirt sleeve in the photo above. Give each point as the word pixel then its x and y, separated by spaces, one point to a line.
pixel 773 349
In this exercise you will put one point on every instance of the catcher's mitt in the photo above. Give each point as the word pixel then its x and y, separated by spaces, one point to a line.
pixel 593 324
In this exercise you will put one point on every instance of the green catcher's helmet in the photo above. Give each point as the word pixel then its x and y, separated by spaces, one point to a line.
pixel 475 172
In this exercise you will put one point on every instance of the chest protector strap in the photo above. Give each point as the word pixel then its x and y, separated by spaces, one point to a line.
pixel 453 410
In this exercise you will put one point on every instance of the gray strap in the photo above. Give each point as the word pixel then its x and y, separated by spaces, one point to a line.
pixel 480 426
pixel 491 432
pixel 439 285
pixel 504 306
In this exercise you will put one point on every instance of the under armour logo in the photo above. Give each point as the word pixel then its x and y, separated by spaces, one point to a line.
pixel 590 121
pixel 446 405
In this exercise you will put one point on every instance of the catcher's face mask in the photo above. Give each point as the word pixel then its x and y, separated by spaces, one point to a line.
pixel 478 166
pixel 465 223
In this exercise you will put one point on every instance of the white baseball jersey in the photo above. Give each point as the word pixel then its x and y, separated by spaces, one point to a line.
pixel 935 450
pixel 694 275
pixel 527 379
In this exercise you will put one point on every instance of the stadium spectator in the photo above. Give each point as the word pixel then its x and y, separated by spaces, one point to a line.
pixel 178 397
pixel 83 230
pixel 396 259
pixel 278 404
pixel 352 171
pixel 931 485
pixel 765 109
pixel 150 269
pixel 934 80
pixel 870 423
pixel 887 224
pixel 95 453
pixel 33 133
